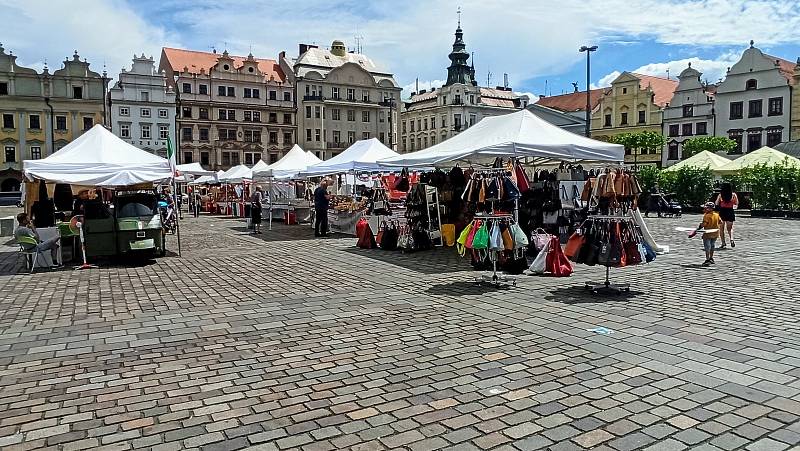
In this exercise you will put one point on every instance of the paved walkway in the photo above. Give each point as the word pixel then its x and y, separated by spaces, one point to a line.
pixel 283 342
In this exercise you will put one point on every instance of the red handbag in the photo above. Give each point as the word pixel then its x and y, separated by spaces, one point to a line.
pixel 574 245
pixel 522 178
pixel 557 264
pixel 366 240
pixel 623 259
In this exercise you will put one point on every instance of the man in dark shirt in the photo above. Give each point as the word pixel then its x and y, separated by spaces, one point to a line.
pixel 321 201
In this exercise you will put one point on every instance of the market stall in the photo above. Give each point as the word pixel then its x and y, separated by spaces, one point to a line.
pixel 766 156
pixel 286 192
pixel 100 166
pixel 704 159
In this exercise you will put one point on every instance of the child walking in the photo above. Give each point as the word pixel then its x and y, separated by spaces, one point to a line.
pixel 711 221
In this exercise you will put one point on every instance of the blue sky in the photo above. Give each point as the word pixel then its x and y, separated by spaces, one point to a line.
pixel 534 41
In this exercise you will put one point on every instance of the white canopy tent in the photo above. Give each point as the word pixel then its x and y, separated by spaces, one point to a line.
pixel 214 178
pixel 521 134
pixel 704 159
pixel 236 174
pixel 295 161
pixel 360 156
pixel 766 156
pixel 99 158
pixel 260 166
pixel 193 169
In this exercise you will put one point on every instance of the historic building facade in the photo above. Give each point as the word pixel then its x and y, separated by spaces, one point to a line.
pixel 568 111
pixel 690 113
pixel 143 107
pixel 43 112
pixel 430 117
pixel 634 103
pixel 342 97
pixel 232 109
pixel 754 102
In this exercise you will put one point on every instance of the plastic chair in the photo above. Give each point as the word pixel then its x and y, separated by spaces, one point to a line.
pixel 31 255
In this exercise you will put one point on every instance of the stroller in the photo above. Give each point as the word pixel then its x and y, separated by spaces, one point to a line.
pixel 664 206
pixel 168 220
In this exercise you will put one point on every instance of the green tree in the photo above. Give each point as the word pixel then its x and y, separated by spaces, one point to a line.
pixel 693 146
pixel 640 142
pixel 692 186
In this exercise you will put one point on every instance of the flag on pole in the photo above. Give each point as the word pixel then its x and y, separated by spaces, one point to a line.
pixel 171 158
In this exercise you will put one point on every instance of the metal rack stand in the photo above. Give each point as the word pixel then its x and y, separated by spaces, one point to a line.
pixel 606 287
pixel 494 277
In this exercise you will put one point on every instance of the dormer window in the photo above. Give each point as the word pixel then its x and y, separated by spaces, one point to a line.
pixel 751 84
pixel 624 90
pixel 226 67
pixel 250 69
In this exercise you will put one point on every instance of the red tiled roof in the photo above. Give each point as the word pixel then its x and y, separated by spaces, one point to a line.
pixel 663 88
pixel 574 101
pixel 195 61
pixel 497 93
pixel 785 67
pixel 430 95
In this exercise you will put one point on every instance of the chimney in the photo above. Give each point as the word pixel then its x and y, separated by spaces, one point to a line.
pixel 303 48
pixel 422 91
pixel 505 80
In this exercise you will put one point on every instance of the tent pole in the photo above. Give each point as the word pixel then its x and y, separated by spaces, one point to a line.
pixel 177 217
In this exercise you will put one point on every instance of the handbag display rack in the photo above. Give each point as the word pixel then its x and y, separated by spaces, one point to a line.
pixel 606 287
pixel 494 277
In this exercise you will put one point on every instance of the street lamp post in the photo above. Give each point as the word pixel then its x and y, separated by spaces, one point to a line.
pixel 105 94
pixel 176 76
pixel 588 51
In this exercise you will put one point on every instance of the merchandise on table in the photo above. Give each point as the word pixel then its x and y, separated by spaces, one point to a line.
pixel 341 203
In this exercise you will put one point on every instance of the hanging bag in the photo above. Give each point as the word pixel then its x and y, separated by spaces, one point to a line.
pixel 402 183
pixel 366 240
pixel 461 242
pixel 523 183
pixel 566 202
pixel 495 238
pixel 556 263
pixel 449 234
pixel 508 241
pixel 576 199
pixel 389 239
pixel 586 193
pixel 540 262
pixel 574 245
pixel 480 242
pixel 471 237
pixel 540 238
pixel 381 233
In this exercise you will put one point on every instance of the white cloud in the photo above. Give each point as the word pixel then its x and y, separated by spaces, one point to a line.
pixel 103 32
pixel 423 84
pixel 712 70
pixel 532 98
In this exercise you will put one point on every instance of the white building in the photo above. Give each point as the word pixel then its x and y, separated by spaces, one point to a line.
pixel 343 97
pixel 754 101
pixel 430 117
pixel 143 108
pixel 690 113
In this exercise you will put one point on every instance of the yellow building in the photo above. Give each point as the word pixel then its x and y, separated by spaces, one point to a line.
pixel 42 112
pixel 634 103
pixel 794 132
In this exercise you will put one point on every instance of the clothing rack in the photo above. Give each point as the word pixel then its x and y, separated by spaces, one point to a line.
pixel 494 277
pixel 606 287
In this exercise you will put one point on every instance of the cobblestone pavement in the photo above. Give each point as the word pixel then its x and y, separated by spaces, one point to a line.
pixel 283 342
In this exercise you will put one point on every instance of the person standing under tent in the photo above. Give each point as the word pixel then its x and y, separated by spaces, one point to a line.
pixel 727 202
pixel 198 202
pixel 256 205
pixel 321 202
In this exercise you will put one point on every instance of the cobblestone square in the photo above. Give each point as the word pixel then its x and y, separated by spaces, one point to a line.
pixel 280 341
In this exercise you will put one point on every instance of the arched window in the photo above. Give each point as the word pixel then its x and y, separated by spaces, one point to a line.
pixel 751 84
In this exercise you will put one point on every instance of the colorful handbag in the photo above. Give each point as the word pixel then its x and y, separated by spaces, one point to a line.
pixel 556 263
pixel 461 242
pixel 523 184
pixel 508 241
pixel 495 238
pixel 574 245
pixel 449 234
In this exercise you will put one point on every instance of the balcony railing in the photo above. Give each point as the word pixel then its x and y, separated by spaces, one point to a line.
pixel 336 145
pixel 313 97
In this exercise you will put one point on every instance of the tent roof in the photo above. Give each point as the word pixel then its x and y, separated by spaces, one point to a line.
pixel 295 160
pixel 236 174
pixel 360 156
pixel 193 169
pixel 704 159
pixel 520 134
pixel 259 166
pixel 99 158
pixel 765 155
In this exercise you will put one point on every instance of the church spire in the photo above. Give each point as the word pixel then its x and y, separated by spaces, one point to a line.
pixel 459 71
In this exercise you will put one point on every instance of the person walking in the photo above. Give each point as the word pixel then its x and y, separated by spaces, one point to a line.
pixel 727 202
pixel 256 204
pixel 198 202
pixel 710 226
pixel 321 202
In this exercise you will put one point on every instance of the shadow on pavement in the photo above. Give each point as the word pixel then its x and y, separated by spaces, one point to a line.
pixel 434 261
pixel 581 295
pixel 465 288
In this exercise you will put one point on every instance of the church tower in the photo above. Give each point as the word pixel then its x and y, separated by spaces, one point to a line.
pixel 459 71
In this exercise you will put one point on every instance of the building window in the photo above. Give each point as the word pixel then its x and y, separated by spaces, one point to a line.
pixel 232 93
pixel 308 112
pixel 203 134
pixel 700 128
pixel 144 96
pixel 737 110
pixel 33 122
pixel 365 95
pixel 36 152
pixel 687 130
pixel 444 136
pixel 124 131
pixel 204 160
pixel 163 113
pixel 252 136
pixel 457 101
pixel 365 135
pixel 365 116
pixel 61 123
pixel 257 95
pixel 317 113
pixel 335 93
pixel 248 93
pixel 163 132
pixel 308 134
pixel 425 141
pixel 404 127
pixel 273 95
pixel 3 89
pixel 88 122
pixel 248 116
pixel 456 122
pixel 204 91
pixel 472 99
pixel 11 154
pixel 227 134
pixel 623 119
pixel 145 131
pixel 287 138
pixel 221 91
pixel 257 116
pixel 774 137
pixel 775 106
pixel 433 140
pixel 674 130
pixel 336 114
pixel 187 88
pixel 412 125
pixel 124 111
pixel 753 141
pixel 145 112
pixel 351 115
pixel 287 96
pixel 351 137
pixel 186 133
pixel 444 121
pixel 673 151
pixel 688 110
pixel 642 119
pixel 624 90
pixel 382 137
pixel 77 92
pixel 382 117
pixel 273 137
pixel 754 108
pixel 751 84
pixel 226 158
pixel 8 120
pixel 351 94
pixel 186 112
pixel 337 136
pixel 472 120
pixel 607 121
pixel 317 135
pixel 187 157
pixel 273 117
pixel 413 146
pixel 251 158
